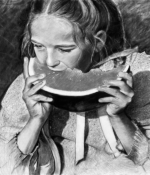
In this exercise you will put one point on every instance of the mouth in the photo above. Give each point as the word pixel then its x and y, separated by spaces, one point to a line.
pixel 60 67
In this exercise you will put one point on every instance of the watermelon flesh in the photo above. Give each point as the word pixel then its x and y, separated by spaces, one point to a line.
pixel 72 81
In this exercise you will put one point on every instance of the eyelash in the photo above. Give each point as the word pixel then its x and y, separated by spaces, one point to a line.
pixel 62 50
pixel 65 50
pixel 38 46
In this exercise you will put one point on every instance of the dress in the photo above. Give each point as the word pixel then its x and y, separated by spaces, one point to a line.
pixel 62 125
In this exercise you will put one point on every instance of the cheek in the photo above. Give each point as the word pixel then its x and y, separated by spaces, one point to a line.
pixel 85 61
pixel 41 56
pixel 71 60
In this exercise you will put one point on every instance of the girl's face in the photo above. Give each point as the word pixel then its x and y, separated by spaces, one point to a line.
pixel 54 46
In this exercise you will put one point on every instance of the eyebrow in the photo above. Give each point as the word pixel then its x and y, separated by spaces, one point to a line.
pixel 35 42
pixel 61 45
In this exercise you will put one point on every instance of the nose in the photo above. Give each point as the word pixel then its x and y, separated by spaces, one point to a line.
pixel 51 61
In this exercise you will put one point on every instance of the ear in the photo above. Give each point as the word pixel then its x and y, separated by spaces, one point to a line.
pixel 100 38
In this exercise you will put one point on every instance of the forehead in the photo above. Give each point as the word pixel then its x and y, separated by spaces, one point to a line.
pixel 51 28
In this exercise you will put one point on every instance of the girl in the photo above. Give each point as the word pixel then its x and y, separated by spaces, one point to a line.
pixel 67 34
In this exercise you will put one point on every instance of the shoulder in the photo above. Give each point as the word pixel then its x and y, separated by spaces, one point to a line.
pixel 141 63
pixel 14 92
pixel 13 105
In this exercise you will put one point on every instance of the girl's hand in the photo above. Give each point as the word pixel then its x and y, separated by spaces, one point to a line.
pixel 37 104
pixel 121 95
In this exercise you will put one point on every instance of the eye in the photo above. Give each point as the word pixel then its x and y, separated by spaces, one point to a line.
pixel 38 46
pixel 65 50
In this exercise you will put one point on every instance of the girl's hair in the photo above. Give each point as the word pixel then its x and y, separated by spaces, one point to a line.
pixel 87 18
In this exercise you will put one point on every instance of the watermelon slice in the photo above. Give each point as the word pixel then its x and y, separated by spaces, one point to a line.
pixel 71 89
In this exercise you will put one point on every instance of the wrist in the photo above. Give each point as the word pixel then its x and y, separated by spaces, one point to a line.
pixel 118 115
pixel 28 137
pixel 37 121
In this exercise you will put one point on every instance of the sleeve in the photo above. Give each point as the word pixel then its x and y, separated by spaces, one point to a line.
pixel 13 118
pixel 12 160
pixel 140 150
pixel 145 127
pixel 139 110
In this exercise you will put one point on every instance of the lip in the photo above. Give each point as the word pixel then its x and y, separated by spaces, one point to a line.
pixel 60 67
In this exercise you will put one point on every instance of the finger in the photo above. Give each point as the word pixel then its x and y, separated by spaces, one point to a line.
pixel 42 98
pixel 113 92
pixel 122 85
pixel 127 77
pixel 112 100
pixel 25 67
pixel 120 147
pixel 36 88
pixel 33 80
pixel 47 105
pixel 122 101
pixel 107 100
pixel 123 96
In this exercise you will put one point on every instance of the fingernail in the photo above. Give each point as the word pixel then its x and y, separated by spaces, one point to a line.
pixel 41 82
pixel 100 88
pixel 119 74
pixel 99 100
pixel 50 100
pixel 42 76
pixel 117 154
pixel 25 59
pixel 44 82
pixel 105 85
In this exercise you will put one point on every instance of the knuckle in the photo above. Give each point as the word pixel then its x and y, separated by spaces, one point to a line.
pixel 123 104
pixel 24 96
pixel 37 98
pixel 46 98
pixel 129 100
pixel 122 84
pixel 130 75
pixel 130 78
pixel 125 74
pixel 34 88
pixel 115 92
pixel 38 76
pixel 130 84
pixel 27 80
pixel 132 94
pixel 111 100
